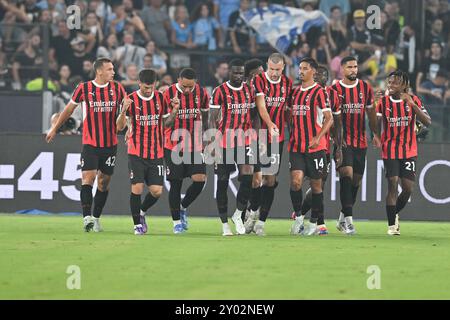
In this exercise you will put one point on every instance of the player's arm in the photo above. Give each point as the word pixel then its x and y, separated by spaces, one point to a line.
pixel 121 121
pixel 262 110
pixel 67 112
pixel 327 123
pixel 169 119
pixel 205 110
pixel 421 114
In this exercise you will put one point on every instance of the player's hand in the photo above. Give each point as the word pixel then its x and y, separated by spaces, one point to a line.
pixel 376 142
pixel 379 94
pixel 126 104
pixel 273 129
pixel 314 143
pixel 175 103
pixel 128 134
pixel 338 157
pixel 50 135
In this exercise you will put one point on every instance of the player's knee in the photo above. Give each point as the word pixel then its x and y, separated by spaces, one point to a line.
pixel 316 186
pixel 199 178
pixel 270 181
pixel 296 183
pixel 257 179
pixel 137 188
pixel 156 191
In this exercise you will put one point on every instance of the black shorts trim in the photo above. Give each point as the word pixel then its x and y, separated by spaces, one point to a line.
pixel 148 171
pixel 355 158
pixel 191 163
pixel 95 158
pixel 314 165
pixel 402 168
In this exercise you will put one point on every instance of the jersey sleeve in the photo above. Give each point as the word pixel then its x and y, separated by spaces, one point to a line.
pixel 322 101
pixel 216 100
pixel 336 104
pixel 78 94
pixel 167 107
pixel 369 96
pixel 205 101
pixel 259 86
pixel 379 108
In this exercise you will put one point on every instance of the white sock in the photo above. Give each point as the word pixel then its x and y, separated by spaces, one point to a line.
pixel 261 223
pixel 300 218
pixel 96 219
pixel 225 225
pixel 341 217
pixel 138 225
pixel 175 222
pixel 349 220
pixel 182 208
pixel 142 213
pixel 237 213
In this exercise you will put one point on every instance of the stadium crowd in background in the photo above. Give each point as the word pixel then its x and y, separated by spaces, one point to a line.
pixel 138 34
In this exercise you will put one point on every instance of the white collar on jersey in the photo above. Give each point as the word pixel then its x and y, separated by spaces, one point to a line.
pixel 271 81
pixel 234 88
pixel 179 89
pixel 349 86
pixel 395 101
pixel 144 98
pixel 100 85
pixel 306 89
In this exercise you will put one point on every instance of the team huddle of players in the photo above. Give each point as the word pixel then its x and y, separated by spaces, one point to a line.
pixel 242 125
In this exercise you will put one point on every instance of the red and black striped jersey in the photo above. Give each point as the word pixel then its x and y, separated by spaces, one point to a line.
pixel 307 107
pixel 235 121
pixel 398 139
pixel 276 95
pixel 335 106
pixel 145 116
pixel 354 101
pixel 187 128
pixel 100 105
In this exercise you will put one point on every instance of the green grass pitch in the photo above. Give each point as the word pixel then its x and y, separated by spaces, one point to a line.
pixel 35 252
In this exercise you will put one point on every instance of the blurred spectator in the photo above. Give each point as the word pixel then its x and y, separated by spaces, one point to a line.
pixel 92 32
pixel 158 58
pixel 405 50
pixel 432 65
pixel 434 91
pixel 391 25
pixel 157 22
pixel 328 6
pixel 444 15
pixel 27 62
pixel 133 19
pixel 129 54
pixel 206 29
pixel 130 83
pixel 167 78
pixel 3 67
pixel 435 35
pixel 303 50
pixel 321 52
pixel 117 20
pixel 223 10
pixel 431 12
pixel 336 31
pixel 60 44
pixel 220 75
pixel 335 65
pixel 78 46
pixel 182 29
pixel 360 38
pixel 87 72
pixel 108 47
pixel 242 36
pixel 65 87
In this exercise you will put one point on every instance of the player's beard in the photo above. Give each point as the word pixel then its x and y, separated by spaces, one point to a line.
pixel 352 77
